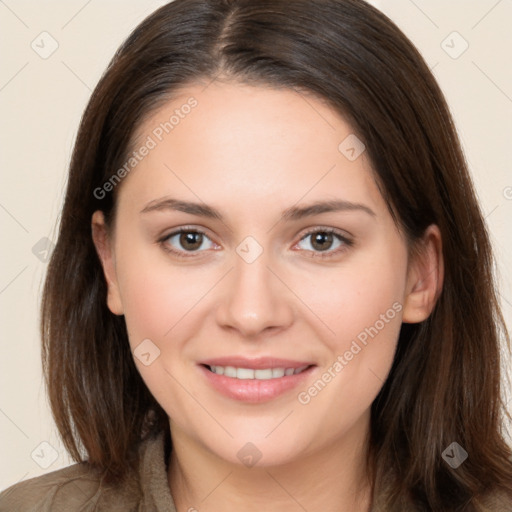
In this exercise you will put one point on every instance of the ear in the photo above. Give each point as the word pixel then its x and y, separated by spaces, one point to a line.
pixel 424 277
pixel 103 243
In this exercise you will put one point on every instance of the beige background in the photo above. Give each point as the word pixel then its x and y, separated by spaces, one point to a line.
pixel 41 101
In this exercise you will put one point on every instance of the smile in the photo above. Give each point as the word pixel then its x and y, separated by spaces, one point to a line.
pixel 255 381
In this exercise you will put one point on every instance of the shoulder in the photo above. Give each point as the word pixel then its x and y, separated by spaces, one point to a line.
pixel 73 484
pixel 81 488
pixel 75 487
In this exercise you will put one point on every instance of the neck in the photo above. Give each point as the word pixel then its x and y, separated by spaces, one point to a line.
pixel 333 478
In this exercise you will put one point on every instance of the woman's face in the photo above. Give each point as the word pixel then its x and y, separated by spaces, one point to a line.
pixel 290 278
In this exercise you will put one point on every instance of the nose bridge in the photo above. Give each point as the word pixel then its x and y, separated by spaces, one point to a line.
pixel 255 299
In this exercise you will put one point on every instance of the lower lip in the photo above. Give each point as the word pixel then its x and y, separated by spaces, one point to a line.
pixel 254 390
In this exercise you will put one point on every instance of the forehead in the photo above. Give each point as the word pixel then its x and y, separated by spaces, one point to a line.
pixel 231 140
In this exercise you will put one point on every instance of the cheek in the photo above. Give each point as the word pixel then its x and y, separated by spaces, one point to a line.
pixel 156 294
pixel 364 291
pixel 361 303
pixel 365 313
pixel 159 302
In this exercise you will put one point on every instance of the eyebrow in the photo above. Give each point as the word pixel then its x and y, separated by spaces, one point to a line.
pixel 292 213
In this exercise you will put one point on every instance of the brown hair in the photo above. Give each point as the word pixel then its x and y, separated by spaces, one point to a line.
pixel 444 385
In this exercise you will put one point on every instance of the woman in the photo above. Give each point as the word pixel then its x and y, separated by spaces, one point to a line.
pixel 272 287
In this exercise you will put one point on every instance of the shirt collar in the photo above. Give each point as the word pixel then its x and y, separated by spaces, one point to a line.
pixel 156 493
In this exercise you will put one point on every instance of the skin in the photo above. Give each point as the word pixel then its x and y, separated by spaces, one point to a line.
pixel 252 152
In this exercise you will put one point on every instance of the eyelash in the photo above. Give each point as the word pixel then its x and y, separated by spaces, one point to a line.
pixel 317 254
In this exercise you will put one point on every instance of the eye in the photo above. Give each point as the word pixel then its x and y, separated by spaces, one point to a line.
pixel 324 240
pixel 185 240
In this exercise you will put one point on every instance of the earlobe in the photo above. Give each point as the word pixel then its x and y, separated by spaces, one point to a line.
pixel 425 277
pixel 103 244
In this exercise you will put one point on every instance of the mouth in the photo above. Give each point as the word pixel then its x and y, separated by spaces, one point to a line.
pixel 256 380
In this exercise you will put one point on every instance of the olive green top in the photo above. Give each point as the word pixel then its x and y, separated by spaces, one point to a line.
pixel 77 488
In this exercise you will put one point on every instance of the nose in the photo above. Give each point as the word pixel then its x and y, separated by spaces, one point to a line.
pixel 255 299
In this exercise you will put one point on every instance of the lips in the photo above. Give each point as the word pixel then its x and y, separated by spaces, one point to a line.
pixel 254 380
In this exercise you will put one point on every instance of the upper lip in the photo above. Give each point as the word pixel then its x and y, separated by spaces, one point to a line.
pixel 256 363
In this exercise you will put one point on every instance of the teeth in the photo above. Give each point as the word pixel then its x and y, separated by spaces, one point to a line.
pixel 229 371
pixel 244 373
pixel 260 374
pixel 217 369
pixel 278 372
pixel 263 374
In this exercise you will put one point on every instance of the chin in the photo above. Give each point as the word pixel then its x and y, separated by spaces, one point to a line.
pixel 250 452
